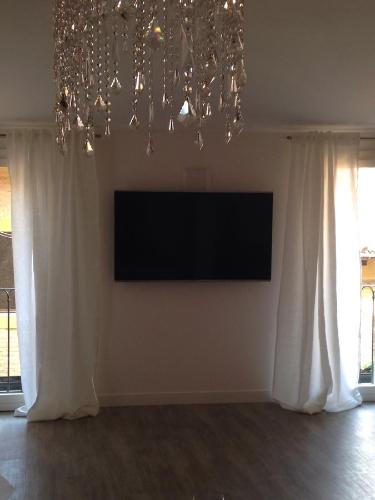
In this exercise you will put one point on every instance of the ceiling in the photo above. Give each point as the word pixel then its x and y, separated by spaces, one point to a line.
pixel 309 62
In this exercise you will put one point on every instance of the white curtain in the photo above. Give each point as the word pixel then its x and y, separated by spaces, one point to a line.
pixel 316 360
pixel 55 248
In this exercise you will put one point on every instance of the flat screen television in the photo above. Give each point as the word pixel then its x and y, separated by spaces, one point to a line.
pixel 192 236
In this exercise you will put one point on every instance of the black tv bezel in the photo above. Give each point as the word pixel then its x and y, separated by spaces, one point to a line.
pixel 193 280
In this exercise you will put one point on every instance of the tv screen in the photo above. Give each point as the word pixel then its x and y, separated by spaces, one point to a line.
pixel 193 236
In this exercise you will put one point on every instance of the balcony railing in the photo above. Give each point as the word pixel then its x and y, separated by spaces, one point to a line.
pixel 10 377
pixel 366 374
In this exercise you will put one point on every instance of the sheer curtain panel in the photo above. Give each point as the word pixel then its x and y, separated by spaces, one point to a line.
pixel 55 246
pixel 316 362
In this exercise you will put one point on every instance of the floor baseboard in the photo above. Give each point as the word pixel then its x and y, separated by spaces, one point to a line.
pixel 166 398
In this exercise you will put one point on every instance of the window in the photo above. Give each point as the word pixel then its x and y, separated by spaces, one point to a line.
pixel 10 380
pixel 366 197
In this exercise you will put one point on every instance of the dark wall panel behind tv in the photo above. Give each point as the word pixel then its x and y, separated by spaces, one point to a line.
pixel 193 236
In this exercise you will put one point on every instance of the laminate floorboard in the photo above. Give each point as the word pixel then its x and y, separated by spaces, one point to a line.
pixel 240 451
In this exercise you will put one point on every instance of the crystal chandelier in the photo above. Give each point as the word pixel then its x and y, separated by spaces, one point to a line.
pixel 198 44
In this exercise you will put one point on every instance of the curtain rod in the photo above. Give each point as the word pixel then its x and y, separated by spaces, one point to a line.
pixel 290 138
pixel 98 136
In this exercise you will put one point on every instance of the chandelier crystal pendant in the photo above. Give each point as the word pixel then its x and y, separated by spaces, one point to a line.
pixel 200 46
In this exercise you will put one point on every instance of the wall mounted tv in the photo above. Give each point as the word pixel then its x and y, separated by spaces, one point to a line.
pixel 192 236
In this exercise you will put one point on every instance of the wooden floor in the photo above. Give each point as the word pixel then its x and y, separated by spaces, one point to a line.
pixel 252 451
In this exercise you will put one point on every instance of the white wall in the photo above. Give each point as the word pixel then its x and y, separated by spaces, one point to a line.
pixel 189 341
